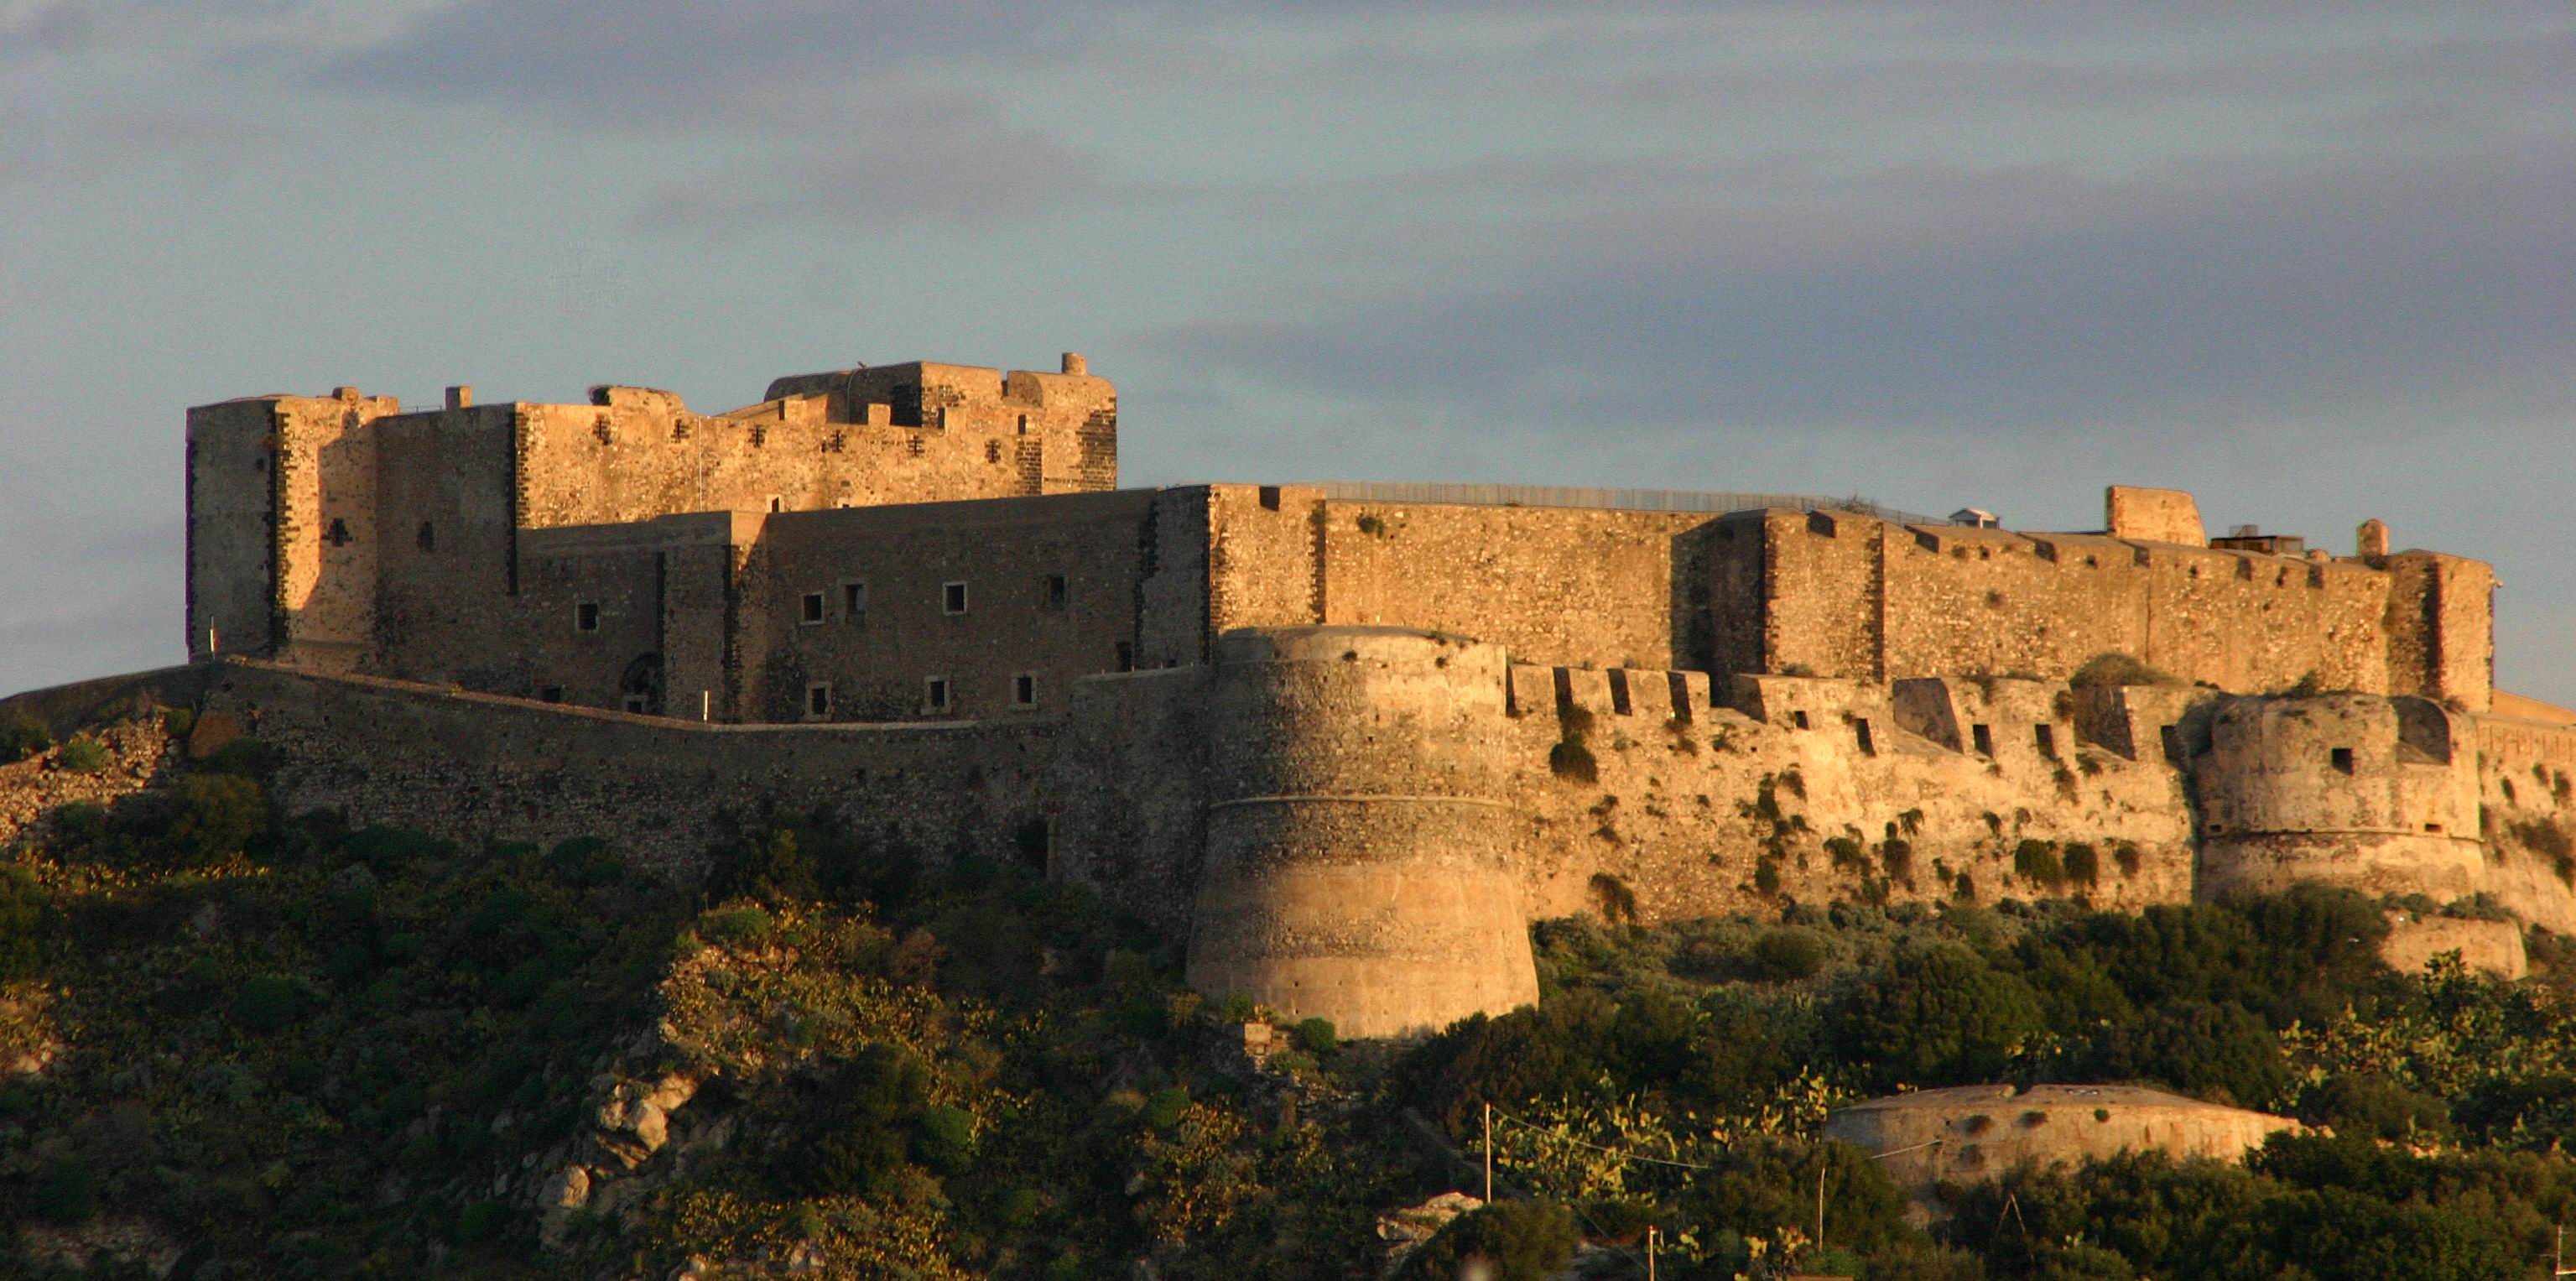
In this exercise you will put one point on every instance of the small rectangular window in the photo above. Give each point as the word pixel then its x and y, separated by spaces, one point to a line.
pixel 2170 736
pixel 638 704
pixel 1860 730
pixel 1054 595
pixel 953 597
pixel 1126 657
pixel 2045 738
pixel 551 694
pixel 934 694
pixel 813 611
pixel 818 700
pixel 585 616
pixel 1024 690
pixel 1983 738
pixel 854 601
pixel 1798 719
pixel 2343 759
pixel 777 504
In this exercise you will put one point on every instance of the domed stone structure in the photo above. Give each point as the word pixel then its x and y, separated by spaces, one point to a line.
pixel 1971 1133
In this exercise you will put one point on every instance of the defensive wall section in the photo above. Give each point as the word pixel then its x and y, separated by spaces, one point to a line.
pixel 1357 822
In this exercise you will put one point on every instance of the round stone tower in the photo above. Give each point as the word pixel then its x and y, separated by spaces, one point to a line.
pixel 1356 834
pixel 2356 790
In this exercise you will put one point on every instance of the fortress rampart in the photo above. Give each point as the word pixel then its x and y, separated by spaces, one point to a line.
pixel 1347 740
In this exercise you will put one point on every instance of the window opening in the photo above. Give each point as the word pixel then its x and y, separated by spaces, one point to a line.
pixel 2171 737
pixel 818 700
pixel 777 504
pixel 1983 738
pixel 1055 591
pixel 1126 659
pixel 1860 730
pixel 428 537
pixel 2343 759
pixel 953 597
pixel 934 693
pixel 638 704
pixel 813 611
pixel 1798 719
pixel 992 451
pixel 2045 737
pixel 339 535
pixel 854 600
pixel 551 694
pixel 1024 690
pixel 585 616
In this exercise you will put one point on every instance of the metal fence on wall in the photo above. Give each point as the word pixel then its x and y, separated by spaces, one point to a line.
pixel 1650 500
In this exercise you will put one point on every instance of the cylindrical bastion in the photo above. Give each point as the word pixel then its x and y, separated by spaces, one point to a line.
pixel 1356 839
pixel 1972 1133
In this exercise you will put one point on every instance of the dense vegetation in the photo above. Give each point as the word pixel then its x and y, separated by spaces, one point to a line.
pixel 251 1044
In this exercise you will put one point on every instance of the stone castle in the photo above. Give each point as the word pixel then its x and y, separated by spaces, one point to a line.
pixel 1351 739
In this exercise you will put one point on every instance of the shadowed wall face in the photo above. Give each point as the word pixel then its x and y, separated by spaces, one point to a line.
pixel 1356 865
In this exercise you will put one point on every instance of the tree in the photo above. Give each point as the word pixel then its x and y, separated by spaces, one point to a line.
pixel 1937 1015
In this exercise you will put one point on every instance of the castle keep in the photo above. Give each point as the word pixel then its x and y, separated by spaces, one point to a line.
pixel 1350 738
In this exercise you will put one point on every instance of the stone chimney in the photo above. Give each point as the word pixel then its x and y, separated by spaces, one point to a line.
pixel 2372 539
pixel 460 397
pixel 1075 364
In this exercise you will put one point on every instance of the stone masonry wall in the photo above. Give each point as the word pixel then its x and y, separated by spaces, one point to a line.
pixel 473 768
pixel 1050 593
pixel 1692 799
pixel 1551 584
pixel 1852 596
pixel 2526 792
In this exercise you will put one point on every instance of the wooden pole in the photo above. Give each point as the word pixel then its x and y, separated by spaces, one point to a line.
pixel 1650 1252
pixel 1489 1154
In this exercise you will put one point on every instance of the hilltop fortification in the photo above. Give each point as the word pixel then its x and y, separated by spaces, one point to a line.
pixel 1349 738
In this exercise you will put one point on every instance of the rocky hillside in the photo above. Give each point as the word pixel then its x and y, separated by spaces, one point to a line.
pixel 237 1043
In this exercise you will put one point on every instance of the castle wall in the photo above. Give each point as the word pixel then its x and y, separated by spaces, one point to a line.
pixel 1855 597
pixel 327 531
pixel 1266 556
pixel 1685 812
pixel 2526 792
pixel 473 768
pixel 447 549
pixel 1009 554
pixel 2440 621
pixel 1552 584
pixel 232 533
pixel 1172 618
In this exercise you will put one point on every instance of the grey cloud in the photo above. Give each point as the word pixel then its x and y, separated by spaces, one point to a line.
pixel 73 27
pixel 1937 297
pixel 918 159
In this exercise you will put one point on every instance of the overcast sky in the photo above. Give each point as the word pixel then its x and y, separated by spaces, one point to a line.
pixel 2310 261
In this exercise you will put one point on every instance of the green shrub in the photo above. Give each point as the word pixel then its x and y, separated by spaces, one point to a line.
pixel 944 1140
pixel 1937 1014
pixel 870 1120
pixel 2218 1052
pixel 1315 1036
pixel 1790 953
pixel 2374 1107
pixel 67 1190
pixel 82 756
pixel 735 925
pixel 25 922
pixel 2036 861
pixel 216 815
pixel 2083 864
pixel 2119 669
pixel 1572 761
pixel 21 738
pixel 1516 1240
pixel 1163 1108
pixel 269 1002
pixel 1766 875
pixel 1896 857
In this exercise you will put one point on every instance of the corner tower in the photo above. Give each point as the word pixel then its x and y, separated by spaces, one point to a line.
pixel 282 527
pixel 1356 858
